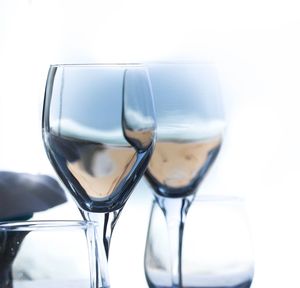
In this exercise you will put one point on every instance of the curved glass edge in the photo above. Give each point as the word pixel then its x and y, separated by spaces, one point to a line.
pixel 43 225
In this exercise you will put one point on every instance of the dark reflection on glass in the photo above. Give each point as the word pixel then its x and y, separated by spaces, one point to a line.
pixel 10 243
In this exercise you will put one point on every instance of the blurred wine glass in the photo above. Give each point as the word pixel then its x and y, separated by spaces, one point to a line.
pixel 99 130
pixel 190 124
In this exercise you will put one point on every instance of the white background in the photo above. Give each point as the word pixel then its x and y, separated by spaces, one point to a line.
pixel 256 47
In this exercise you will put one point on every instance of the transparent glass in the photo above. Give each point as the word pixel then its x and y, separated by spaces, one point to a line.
pixel 217 248
pixel 99 131
pixel 45 254
pixel 190 124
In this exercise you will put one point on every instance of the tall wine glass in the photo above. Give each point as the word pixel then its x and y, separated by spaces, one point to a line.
pixel 190 125
pixel 98 131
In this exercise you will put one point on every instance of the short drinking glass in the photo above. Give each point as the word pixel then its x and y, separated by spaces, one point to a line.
pixel 46 254
pixel 216 252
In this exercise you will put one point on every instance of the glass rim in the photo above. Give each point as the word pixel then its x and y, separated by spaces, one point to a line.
pixel 108 65
pixel 44 225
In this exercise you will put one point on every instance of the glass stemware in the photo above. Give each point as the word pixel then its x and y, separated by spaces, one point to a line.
pixel 99 130
pixel 190 125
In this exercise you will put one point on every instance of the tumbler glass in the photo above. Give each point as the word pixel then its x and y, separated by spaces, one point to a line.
pixel 46 254
pixel 217 249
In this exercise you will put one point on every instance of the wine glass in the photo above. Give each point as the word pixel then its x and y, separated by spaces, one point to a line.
pixel 217 247
pixel 190 126
pixel 99 130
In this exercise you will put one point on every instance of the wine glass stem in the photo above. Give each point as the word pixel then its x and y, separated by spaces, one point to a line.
pixel 175 211
pixel 99 242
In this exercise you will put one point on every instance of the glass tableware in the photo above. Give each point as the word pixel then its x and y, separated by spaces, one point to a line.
pixel 217 249
pixel 98 131
pixel 47 254
pixel 190 124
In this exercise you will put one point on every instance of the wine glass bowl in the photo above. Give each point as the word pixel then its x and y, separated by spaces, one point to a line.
pixel 98 130
pixel 190 124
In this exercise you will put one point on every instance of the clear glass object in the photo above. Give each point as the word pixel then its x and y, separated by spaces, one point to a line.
pixel 99 130
pixel 190 125
pixel 217 249
pixel 46 254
